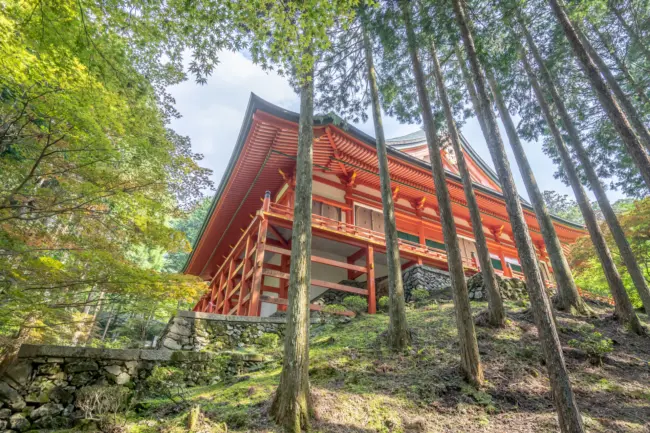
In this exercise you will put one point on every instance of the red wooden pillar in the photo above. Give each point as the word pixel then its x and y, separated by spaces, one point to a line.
pixel 370 264
pixel 229 284
pixel 506 269
pixel 254 304
pixel 244 288
pixel 218 296
pixel 284 284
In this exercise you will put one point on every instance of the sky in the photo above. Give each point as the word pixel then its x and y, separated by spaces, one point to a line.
pixel 212 115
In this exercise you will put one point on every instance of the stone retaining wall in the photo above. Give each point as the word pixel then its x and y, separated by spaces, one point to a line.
pixel 511 288
pixel 39 390
pixel 425 277
pixel 190 330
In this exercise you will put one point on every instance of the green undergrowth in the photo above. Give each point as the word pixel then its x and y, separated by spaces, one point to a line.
pixel 360 386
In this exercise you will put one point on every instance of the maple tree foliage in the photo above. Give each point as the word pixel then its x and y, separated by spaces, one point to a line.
pixel 91 174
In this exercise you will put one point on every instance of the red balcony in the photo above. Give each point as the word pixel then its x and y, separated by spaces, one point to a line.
pixel 238 286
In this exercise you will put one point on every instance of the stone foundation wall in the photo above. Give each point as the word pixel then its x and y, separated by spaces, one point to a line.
pixel 511 288
pixel 39 390
pixel 425 277
pixel 194 331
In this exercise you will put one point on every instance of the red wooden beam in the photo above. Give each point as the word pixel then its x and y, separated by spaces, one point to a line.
pixel 370 263
pixel 282 241
pixel 315 259
pixel 313 307
pixel 318 283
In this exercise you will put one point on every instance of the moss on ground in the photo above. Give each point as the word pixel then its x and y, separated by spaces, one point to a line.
pixel 359 386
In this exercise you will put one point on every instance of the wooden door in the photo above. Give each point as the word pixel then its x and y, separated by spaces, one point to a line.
pixel 377 221
pixel 363 217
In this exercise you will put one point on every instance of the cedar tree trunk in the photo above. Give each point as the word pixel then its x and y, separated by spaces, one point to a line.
pixel 398 333
pixel 568 296
pixel 620 122
pixel 627 106
pixel 568 413
pixel 469 356
pixel 594 182
pixel 624 310
pixel 620 64
pixel 495 303
pixel 292 406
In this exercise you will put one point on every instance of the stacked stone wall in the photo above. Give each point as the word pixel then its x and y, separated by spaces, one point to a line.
pixel 194 331
pixel 434 280
pixel 39 390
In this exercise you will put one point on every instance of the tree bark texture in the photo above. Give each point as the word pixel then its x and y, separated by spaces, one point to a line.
pixel 495 303
pixel 620 122
pixel 568 413
pixel 594 182
pixel 620 64
pixel 623 100
pixel 469 84
pixel 568 296
pixel 624 310
pixel 469 356
pixel 292 406
pixel 398 334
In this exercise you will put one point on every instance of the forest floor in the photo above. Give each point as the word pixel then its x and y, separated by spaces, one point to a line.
pixel 359 386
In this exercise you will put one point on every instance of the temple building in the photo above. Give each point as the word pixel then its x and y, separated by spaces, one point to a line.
pixel 244 247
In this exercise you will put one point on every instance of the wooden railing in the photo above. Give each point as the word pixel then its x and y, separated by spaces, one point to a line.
pixel 368 235
pixel 238 285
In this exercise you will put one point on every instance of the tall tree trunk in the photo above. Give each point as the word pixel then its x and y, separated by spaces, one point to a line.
pixel 620 122
pixel 470 359
pixel 630 31
pixel 469 84
pixel 93 322
pixel 80 326
pixel 620 64
pixel 596 186
pixel 568 414
pixel 108 323
pixel 624 310
pixel 625 103
pixel 568 296
pixel 292 405
pixel 398 334
pixel 495 303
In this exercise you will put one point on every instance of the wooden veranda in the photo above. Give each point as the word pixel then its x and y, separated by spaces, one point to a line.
pixel 237 287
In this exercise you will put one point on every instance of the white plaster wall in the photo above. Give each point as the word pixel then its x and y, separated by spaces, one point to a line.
pixel 329 191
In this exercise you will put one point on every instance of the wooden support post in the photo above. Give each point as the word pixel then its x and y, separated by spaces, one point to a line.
pixel 228 288
pixel 352 260
pixel 220 294
pixel 254 304
pixel 370 263
pixel 284 284
pixel 245 287
pixel 506 269
pixel 214 289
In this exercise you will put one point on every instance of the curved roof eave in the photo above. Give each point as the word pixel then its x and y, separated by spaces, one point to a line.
pixel 256 103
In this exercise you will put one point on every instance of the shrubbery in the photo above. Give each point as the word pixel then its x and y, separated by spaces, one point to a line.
pixel 269 340
pixel 356 304
pixel 383 303
pixel 334 309
pixel 420 295
pixel 103 404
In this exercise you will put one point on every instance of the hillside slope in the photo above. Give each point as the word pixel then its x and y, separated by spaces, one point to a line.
pixel 360 387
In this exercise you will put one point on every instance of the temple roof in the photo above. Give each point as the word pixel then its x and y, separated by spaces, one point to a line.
pixel 267 143
pixel 418 138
